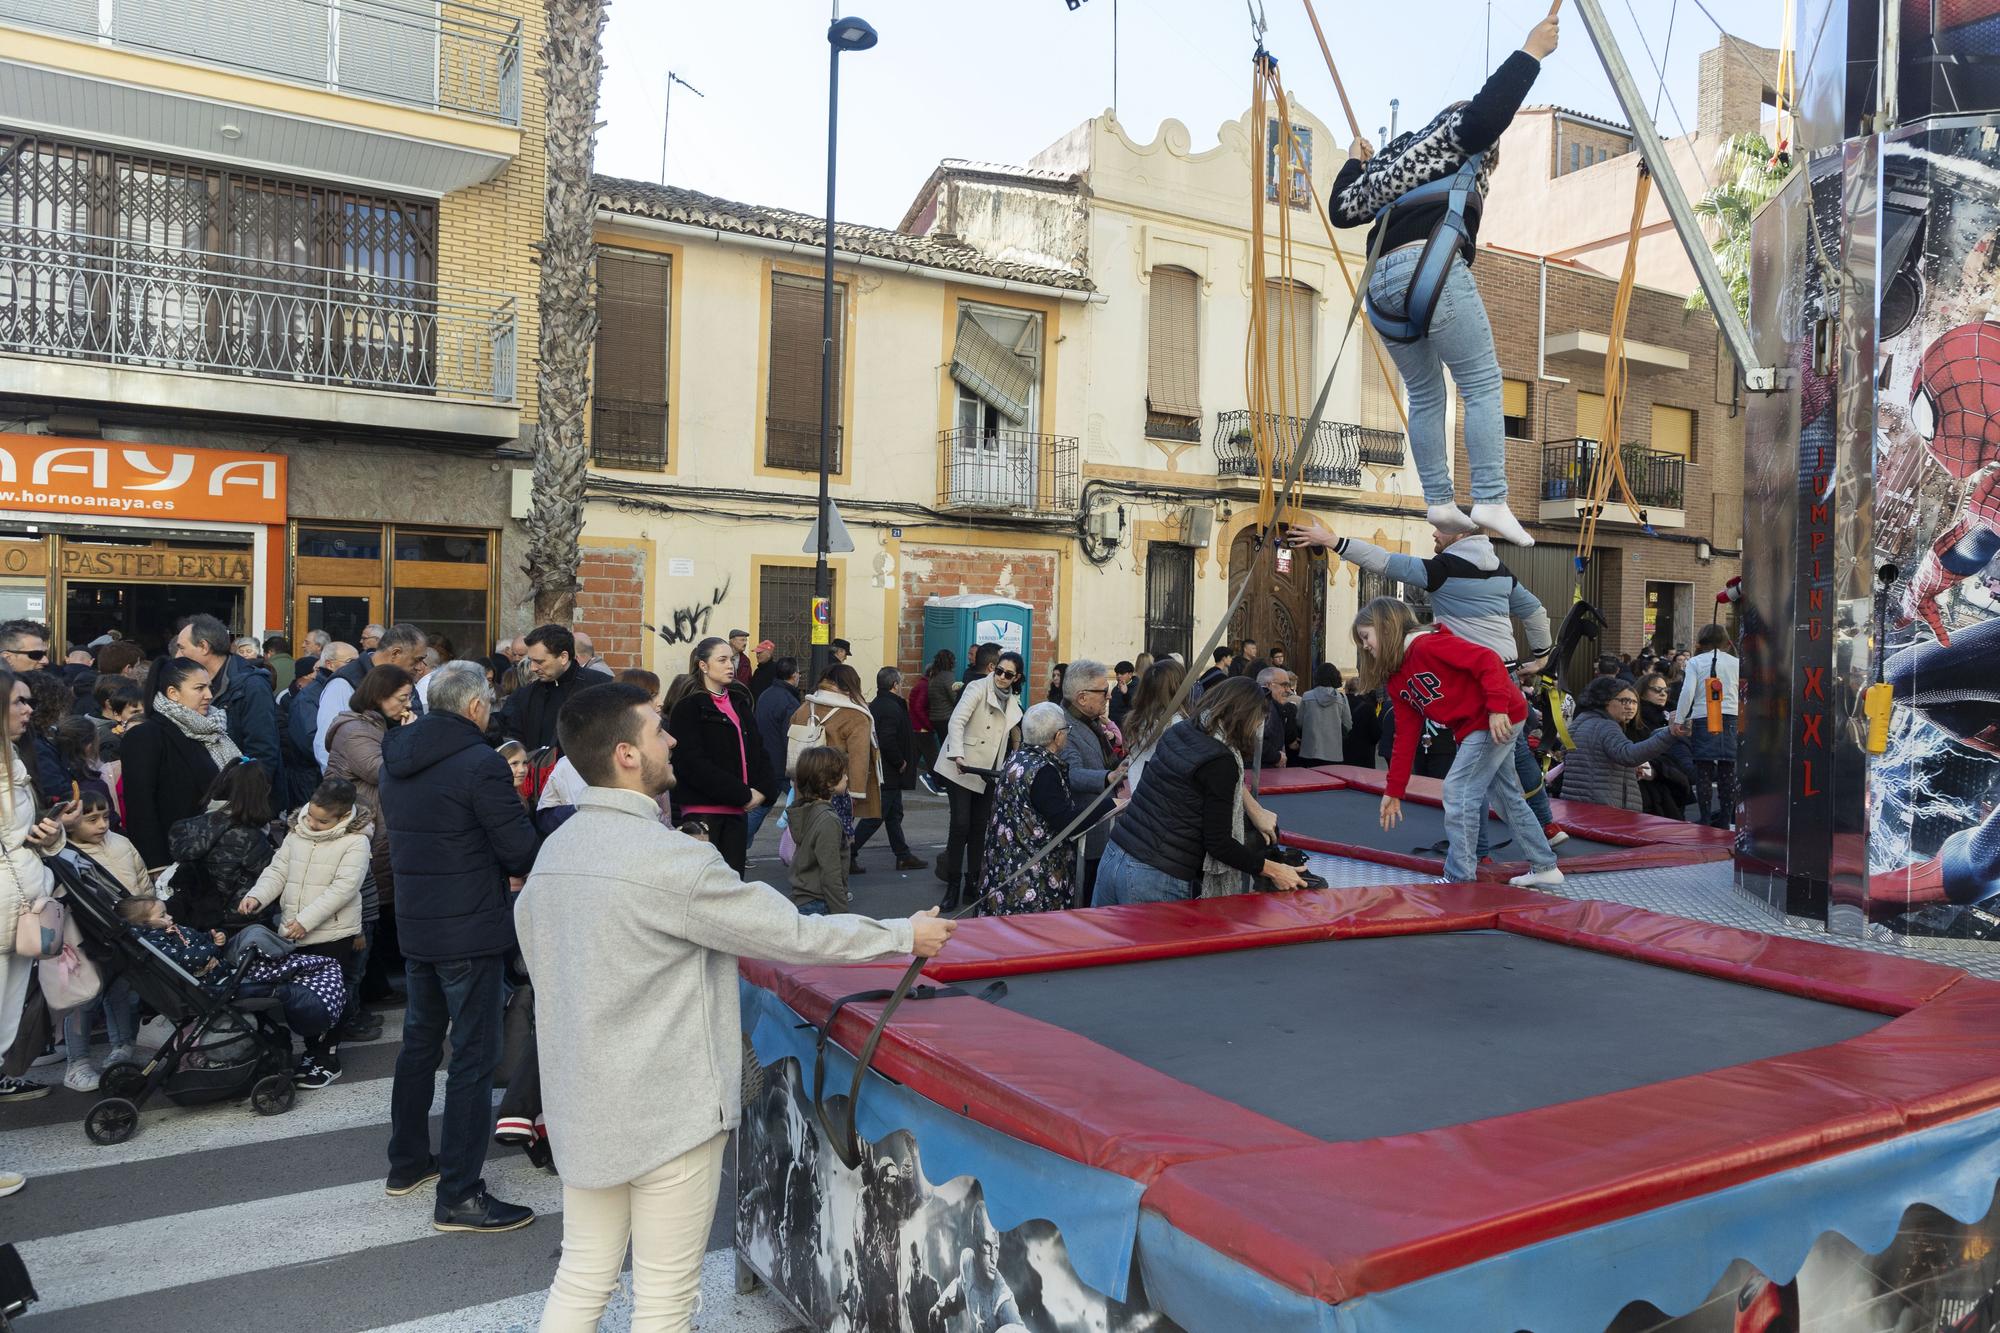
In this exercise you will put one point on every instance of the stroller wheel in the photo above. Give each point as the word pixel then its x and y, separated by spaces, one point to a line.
pixel 124 1080
pixel 111 1121
pixel 272 1095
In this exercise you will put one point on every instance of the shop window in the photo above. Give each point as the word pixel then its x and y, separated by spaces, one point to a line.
pixel 448 548
pixel 438 579
pixel 791 407
pixel 459 614
pixel 340 543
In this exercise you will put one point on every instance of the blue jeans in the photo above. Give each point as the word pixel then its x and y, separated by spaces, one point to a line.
pixel 815 908
pixel 1461 339
pixel 892 819
pixel 120 1006
pixel 1483 774
pixel 1530 772
pixel 1124 878
pixel 755 818
pixel 464 996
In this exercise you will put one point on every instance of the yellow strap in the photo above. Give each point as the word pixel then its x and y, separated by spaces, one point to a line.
pixel 1608 467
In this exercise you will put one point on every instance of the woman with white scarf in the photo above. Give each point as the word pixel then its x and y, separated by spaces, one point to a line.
pixel 1191 830
pixel 25 838
pixel 171 758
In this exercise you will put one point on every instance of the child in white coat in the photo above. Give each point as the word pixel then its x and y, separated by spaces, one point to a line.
pixel 315 877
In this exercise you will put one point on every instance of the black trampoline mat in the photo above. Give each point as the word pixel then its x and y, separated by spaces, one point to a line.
pixel 1358 1039
pixel 1354 817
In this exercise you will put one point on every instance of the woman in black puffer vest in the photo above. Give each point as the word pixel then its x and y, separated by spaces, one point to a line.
pixel 1189 808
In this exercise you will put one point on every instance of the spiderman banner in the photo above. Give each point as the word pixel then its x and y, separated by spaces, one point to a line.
pixel 1934 846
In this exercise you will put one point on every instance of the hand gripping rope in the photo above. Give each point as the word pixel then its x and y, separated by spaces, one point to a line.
pixel 841 1132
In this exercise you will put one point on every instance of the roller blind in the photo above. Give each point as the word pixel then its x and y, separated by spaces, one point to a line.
pixel 1514 398
pixel 791 413
pixel 990 371
pixel 1590 416
pixel 1288 346
pixel 1673 431
pixel 1173 371
pixel 629 404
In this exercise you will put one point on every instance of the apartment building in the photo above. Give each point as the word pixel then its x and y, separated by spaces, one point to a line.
pixel 265 287
pixel 1654 573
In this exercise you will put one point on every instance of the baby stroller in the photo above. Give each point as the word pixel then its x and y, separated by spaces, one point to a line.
pixel 223 1047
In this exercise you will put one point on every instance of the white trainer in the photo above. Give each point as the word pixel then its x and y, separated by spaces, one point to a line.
pixel 1538 879
pixel 1499 520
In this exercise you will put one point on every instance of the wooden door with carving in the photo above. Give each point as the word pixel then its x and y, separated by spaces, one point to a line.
pixel 1286 605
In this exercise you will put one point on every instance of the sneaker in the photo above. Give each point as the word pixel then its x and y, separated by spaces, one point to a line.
pixel 53 1054
pixel 931 784
pixel 123 1055
pixel 80 1076
pixel 315 1073
pixel 1538 879
pixel 1555 835
pixel 11 1183
pixel 20 1090
pixel 360 1026
pixel 480 1211
pixel 399 1185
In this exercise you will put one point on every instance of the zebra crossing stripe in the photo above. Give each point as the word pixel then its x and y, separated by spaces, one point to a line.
pixel 721 1310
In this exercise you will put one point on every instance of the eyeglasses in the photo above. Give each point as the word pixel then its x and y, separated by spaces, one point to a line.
pixel 1626 701
pixel 1102 689
pixel 33 655
pixel 1657 689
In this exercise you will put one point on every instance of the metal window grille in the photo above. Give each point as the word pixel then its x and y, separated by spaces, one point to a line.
pixel 784 608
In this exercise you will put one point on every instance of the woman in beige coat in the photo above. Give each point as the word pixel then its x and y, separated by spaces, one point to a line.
pixel 24 839
pixel 837 703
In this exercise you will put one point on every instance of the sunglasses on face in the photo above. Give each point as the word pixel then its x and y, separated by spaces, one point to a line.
pixel 1005 674
pixel 33 655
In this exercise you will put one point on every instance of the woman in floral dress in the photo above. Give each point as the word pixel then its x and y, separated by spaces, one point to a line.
pixel 1031 804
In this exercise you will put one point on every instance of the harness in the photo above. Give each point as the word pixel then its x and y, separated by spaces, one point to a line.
pixel 1447 240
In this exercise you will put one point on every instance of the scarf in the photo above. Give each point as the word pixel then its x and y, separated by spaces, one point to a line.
pixel 210 729
pixel 1219 880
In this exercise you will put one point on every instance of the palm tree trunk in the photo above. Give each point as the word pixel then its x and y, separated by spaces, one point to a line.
pixel 572 62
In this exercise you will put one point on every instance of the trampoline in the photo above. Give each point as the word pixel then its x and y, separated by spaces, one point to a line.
pixel 1336 811
pixel 1414 1107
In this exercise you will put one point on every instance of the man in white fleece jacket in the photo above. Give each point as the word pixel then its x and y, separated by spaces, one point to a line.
pixel 631 931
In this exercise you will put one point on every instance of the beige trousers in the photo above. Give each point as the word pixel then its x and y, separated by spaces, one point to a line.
pixel 665 1215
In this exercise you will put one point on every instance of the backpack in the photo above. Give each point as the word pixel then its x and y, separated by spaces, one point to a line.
pixel 803 736
pixel 541 764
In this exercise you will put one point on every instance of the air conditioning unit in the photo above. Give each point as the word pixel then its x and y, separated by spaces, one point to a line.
pixel 1197 526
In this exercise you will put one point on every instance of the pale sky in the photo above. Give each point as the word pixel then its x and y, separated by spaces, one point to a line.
pixel 998 80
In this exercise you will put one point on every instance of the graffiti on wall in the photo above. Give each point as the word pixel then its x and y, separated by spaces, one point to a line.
pixel 689 624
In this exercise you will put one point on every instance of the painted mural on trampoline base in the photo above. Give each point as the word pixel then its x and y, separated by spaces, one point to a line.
pixel 881 1249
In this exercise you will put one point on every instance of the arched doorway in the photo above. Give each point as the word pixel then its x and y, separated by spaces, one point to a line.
pixel 1286 605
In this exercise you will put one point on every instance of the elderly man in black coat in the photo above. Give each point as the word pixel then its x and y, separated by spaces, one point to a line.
pixel 896 738
pixel 458 834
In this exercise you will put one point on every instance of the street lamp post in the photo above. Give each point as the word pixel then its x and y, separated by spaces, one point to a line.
pixel 848 34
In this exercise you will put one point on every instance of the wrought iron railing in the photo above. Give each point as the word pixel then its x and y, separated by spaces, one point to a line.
pixel 443 54
pixel 1015 471
pixel 628 434
pixel 1333 455
pixel 1167 426
pixel 100 299
pixel 1656 478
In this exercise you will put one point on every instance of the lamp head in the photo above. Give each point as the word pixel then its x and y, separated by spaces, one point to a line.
pixel 851 34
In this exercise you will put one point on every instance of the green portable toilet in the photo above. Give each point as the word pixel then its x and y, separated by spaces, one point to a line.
pixel 965 620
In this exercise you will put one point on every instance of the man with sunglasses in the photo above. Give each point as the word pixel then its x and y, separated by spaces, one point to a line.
pixel 978 737
pixel 24 645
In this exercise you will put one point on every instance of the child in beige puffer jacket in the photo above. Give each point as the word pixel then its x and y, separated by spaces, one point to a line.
pixel 315 877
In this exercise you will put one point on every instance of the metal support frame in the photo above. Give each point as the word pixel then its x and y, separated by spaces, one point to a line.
pixel 1736 333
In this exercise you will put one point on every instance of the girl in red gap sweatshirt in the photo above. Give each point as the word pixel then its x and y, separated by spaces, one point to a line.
pixel 1432 673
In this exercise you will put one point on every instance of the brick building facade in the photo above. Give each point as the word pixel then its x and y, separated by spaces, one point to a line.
pixel 943 571
pixel 1681 438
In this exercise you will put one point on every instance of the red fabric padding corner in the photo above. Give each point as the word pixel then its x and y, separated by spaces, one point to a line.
pixel 1273 780
pixel 1608 824
pixel 1052 941
pixel 1857 978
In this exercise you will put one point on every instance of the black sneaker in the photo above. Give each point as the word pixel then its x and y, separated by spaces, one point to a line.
pixel 20 1090
pixel 480 1211
pixel 399 1185
pixel 315 1073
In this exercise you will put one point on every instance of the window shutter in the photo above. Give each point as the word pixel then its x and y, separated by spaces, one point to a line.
pixel 1590 416
pixel 1673 431
pixel 990 371
pixel 1514 398
pixel 1289 348
pixel 791 414
pixel 1173 370
pixel 628 422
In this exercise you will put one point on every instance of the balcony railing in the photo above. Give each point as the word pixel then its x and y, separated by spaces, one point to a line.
pixel 1333 456
pixel 1656 478
pixel 442 54
pixel 95 298
pixel 1010 471
pixel 1166 426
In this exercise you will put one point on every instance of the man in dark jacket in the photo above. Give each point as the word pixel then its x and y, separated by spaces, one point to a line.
pixel 775 707
pixel 529 715
pixel 457 835
pixel 897 741
pixel 241 688
pixel 298 716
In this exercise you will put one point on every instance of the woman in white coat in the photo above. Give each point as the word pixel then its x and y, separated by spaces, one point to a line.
pixel 988 711
pixel 24 839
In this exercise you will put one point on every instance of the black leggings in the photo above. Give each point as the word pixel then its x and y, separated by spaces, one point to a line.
pixel 731 836
pixel 965 845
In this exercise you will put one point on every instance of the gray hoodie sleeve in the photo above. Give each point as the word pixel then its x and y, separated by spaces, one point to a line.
pixel 1402 568
pixel 1534 618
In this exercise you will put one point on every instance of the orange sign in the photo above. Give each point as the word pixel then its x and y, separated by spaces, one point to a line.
pixel 59 475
